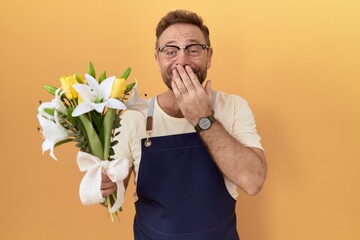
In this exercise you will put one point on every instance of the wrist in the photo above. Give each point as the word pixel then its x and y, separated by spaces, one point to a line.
pixel 205 123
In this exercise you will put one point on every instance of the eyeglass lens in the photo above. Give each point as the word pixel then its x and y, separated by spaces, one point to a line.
pixel 192 51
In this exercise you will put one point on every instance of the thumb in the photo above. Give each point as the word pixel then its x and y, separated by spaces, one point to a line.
pixel 208 89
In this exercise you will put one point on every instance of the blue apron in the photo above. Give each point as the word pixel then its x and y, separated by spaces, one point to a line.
pixel 181 192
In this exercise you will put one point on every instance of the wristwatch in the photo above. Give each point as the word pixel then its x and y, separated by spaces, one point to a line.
pixel 205 123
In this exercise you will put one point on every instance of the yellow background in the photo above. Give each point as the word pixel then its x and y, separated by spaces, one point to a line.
pixel 297 62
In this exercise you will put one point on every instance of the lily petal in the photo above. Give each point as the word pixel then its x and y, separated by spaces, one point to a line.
pixel 53 133
pixel 106 87
pixel 115 104
pixel 136 103
pixel 99 107
pixel 59 105
pixel 46 105
pixel 87 93
pixel 49 145
pixel 91 81
pixel 82 108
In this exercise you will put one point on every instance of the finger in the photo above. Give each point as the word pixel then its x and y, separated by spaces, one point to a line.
pixel 195 83
pixel 108 192
pixel 108 185
pixel 186 79
pixel 208 88
pixel 176 91
pixel 179 83
pixel 105 178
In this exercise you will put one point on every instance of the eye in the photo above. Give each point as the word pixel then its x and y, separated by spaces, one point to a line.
pixel 170 51
pixel 194 50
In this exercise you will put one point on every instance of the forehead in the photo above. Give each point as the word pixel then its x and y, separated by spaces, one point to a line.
pixel 181 33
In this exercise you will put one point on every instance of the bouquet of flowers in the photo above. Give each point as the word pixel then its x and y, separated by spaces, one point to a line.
pixel 87 111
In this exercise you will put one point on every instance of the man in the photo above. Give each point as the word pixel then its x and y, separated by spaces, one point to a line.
pixel 193 147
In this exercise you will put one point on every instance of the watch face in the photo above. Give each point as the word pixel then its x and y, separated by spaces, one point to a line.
pixel 204 123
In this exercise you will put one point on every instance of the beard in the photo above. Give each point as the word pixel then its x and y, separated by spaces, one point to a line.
pixel 168 76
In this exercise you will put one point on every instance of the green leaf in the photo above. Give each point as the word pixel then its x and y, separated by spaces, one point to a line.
pixel 50 111
pixel 102 76
pixel 129 87
pixel 50 89
pixel 114 143
pixel 78 78
pixel 126 73
pixel 62 142
pixel 92 137
pixel 91 70
pixel 97 121
pixel 106 130
pixel 111 152
pixel 70 117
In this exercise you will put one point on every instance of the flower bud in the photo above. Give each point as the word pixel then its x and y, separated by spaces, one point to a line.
pixel 118 88
pixel 67 83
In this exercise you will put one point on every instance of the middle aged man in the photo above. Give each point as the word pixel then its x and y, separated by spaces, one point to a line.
pixel 192 147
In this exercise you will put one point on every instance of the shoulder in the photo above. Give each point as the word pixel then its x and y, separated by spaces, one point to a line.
pixel 133 119
pixel 227 101
pixel 234 112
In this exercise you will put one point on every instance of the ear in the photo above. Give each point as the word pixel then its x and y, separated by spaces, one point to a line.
pixel 156 56
pixel 208 57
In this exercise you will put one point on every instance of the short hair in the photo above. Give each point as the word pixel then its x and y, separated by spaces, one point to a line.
pixel 182 16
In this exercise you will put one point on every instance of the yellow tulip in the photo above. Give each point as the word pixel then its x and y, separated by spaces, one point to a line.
pixel 118 88
pixel 66 83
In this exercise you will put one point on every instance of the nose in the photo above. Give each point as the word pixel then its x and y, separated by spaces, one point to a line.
pixel 182 58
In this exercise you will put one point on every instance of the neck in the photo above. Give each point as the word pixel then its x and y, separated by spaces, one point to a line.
pixel 169 105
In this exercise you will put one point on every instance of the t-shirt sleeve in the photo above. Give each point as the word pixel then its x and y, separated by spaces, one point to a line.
pixel 127 136
pixel 244 126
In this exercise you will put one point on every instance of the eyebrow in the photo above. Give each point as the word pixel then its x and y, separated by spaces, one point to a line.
pixel 172 42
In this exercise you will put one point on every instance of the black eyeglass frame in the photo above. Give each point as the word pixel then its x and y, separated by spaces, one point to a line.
pixel 204 46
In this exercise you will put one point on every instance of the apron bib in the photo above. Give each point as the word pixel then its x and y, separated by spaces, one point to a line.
pixel 181 192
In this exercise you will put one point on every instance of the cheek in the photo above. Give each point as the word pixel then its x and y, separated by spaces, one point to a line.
pixel 167 68
pixel 162 65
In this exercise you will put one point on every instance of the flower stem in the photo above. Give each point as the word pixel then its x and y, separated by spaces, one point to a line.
pixel 108 203
pixel 92 137
pixel 107 128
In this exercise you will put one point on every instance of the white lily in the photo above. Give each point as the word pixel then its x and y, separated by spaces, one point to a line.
pixel 96 96
pixel 53 133
pixel 59 105
pixel 55 104
pixel 46 105
pixel 134 102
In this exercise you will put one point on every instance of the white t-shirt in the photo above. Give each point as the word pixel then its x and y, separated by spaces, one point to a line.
pixel 232 111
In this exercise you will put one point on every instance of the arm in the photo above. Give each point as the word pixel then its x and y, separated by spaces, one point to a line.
pixel 244 166
pixel 122 150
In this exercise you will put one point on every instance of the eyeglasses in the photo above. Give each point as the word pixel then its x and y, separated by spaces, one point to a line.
pixel 193 51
